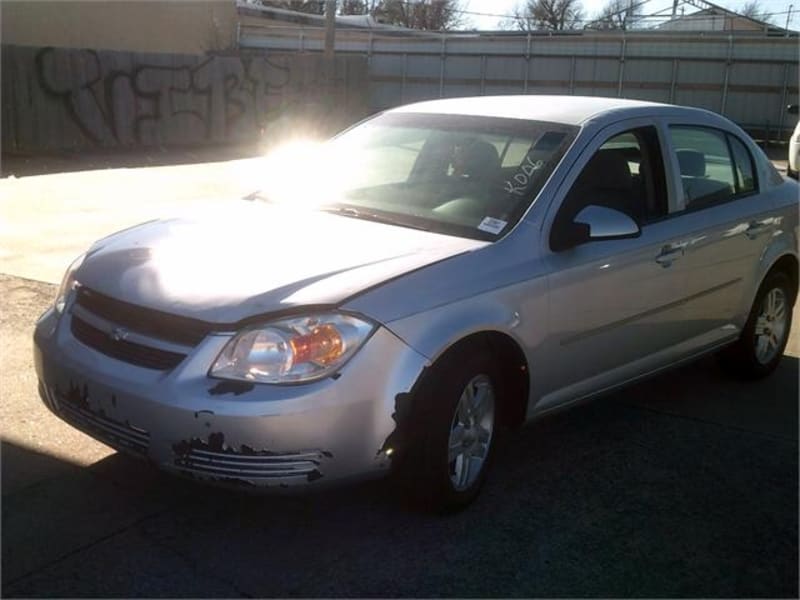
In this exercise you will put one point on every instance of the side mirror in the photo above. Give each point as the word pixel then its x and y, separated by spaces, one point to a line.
pixel 593 223
pixel 793 109
pixel 607 223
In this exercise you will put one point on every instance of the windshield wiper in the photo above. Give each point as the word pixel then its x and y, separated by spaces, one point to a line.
pixel 356 213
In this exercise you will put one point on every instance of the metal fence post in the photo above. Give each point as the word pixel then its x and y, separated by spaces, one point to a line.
pixel 483 74
pixel 441 68
pixel 784 95
pixel 403 79
pixel 622 66
pixel 527 63
pixel 674 81
pixel 725 82
pixel 572 68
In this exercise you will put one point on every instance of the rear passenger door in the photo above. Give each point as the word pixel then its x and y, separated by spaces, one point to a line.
pixel 727 225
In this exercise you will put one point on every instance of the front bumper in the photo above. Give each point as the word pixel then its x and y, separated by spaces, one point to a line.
pixel 259 435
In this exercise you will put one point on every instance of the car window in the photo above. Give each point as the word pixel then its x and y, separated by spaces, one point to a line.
pixel 745 173
pixel 627 174
pixel 460 175
pixel 707 171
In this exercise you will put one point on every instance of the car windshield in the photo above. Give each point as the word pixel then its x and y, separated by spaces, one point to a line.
pixel 453 174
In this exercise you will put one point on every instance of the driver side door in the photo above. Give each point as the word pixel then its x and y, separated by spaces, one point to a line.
pixel 615 306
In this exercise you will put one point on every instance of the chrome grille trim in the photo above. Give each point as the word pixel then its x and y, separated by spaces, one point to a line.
pixel 231 465
pixel 116 434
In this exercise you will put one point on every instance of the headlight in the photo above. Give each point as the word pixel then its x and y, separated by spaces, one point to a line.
pixel 292 350
pixel 67 284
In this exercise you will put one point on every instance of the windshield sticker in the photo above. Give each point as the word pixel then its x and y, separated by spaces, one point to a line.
pixel 518 183
pixel 492 225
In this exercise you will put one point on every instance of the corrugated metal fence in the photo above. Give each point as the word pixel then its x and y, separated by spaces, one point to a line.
pixel 748 77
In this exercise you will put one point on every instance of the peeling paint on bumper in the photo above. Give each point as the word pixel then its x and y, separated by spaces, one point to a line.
pixel 258 436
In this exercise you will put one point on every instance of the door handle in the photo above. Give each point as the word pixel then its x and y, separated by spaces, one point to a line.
pixel 755 229
pixel 669 254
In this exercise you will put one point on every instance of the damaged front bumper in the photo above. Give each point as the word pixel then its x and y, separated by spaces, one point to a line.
pixel 266 436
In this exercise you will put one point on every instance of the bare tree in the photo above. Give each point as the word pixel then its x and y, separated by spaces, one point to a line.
pixel 618 14
pixel 553 15
pixel 421 14
pixel 358 7
pixel 753 10
pixel 314 7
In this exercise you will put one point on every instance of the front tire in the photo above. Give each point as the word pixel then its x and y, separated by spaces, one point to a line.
pixel 456 414
pixel 760 347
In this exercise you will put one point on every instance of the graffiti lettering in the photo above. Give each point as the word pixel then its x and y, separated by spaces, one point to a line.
pixel 125 99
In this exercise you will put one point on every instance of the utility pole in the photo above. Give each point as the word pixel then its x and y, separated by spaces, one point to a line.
pixel 330 28
pixel 788 18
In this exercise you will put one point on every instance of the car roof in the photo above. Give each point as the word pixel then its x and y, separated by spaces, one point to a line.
pixel 569 110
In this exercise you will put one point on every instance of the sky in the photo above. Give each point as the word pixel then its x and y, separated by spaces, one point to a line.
pixel 592 7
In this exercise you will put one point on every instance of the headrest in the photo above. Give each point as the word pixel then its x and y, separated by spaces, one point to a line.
pixel 476 159
pixel 692 163
pixel 607 169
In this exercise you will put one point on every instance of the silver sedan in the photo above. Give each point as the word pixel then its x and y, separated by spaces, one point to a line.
pixel 395 298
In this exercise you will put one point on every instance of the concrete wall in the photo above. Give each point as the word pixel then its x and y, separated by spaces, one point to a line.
pixel 56 98
pixel 164 26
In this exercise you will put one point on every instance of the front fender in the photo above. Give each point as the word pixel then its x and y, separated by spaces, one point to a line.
pixel 517 311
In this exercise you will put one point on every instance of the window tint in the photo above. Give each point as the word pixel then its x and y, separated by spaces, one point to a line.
pixel 707 172
pixel 745 174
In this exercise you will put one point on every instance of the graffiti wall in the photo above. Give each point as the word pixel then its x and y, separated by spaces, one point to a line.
pixel 58 98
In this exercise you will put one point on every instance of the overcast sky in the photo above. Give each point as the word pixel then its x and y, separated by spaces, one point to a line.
pixel 592 7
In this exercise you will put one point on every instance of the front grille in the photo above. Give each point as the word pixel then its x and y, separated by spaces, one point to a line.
pixel 130 352
pixel 249 466
pixel 147 321
pixel 113 433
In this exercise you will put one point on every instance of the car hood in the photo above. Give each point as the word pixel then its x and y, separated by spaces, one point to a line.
pixel 252 259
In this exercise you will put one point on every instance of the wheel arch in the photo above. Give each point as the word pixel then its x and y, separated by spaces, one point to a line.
pixel 510 357
pixel 786 263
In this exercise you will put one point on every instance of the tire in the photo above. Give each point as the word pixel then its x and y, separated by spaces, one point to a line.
pixel 456 418
pixel 760 347
pixel 791 173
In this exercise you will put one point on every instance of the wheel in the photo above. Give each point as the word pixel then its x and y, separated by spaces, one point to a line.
pixel 760 347
pixel 455 414
pixel 791 173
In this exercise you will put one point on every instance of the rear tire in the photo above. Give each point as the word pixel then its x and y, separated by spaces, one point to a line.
pixel 456 417
pixel 762 342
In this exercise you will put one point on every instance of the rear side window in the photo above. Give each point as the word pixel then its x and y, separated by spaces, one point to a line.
pixel 715 166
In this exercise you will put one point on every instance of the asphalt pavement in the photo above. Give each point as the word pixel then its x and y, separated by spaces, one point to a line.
pixel 685 485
